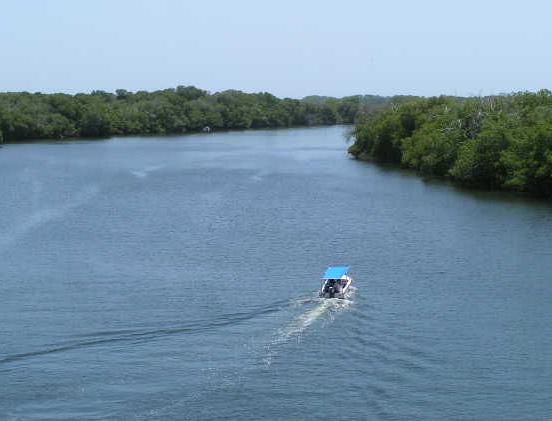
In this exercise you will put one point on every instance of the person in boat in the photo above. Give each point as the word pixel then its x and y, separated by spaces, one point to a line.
pixel 329 284
pixel 338 287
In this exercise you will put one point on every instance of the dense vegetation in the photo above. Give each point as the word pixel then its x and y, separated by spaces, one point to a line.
pixel 26 116
pixel 500 142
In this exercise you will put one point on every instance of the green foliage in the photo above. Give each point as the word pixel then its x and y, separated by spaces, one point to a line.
pixel 479 160
pixel 37 116
pixel 528 161
pixel 384 140
pixel 430 150
pixel 502 142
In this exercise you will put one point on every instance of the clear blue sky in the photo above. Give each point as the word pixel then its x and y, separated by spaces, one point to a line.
pixel 287 47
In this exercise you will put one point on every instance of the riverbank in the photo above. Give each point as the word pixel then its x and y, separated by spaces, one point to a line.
pixel 497 194
pixel 185 109
pixel 172 135
pixel 493 143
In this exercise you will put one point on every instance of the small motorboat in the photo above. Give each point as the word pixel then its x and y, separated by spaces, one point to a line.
pixel 335 282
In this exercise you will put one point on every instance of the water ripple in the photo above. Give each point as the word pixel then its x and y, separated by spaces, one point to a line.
pixel 136 336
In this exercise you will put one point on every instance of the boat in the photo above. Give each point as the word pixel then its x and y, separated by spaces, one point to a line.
pixel 336 282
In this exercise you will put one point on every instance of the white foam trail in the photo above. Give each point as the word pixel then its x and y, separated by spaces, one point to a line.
pixel 294 330
pixel 44 216
pixel 301 323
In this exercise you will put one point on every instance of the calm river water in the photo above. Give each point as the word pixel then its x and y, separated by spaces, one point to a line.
pixel 176 277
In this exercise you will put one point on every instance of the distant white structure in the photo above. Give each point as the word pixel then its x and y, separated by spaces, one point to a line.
pixel 206 129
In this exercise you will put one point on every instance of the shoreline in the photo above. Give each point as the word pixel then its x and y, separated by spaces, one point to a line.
pixel 452 183
pixel 146 135
pixel 362 157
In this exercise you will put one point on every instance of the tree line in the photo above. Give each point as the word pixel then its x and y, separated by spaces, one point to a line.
pixel 26 116
pixel 495 142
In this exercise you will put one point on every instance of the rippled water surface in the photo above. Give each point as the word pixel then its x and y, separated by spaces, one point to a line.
pixel 175 278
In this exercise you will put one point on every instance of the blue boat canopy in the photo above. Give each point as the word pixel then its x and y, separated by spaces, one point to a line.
pixel 335 272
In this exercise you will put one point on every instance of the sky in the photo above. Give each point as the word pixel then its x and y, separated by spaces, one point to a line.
pixel 291 48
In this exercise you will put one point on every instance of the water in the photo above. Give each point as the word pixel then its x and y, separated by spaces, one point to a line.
pixel 175 278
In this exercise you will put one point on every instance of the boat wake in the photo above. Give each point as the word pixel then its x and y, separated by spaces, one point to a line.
pixel 324 309
pixel 326 306
pixel 136 336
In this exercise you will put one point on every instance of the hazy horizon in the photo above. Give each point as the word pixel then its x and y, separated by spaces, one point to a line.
pixel 288 49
